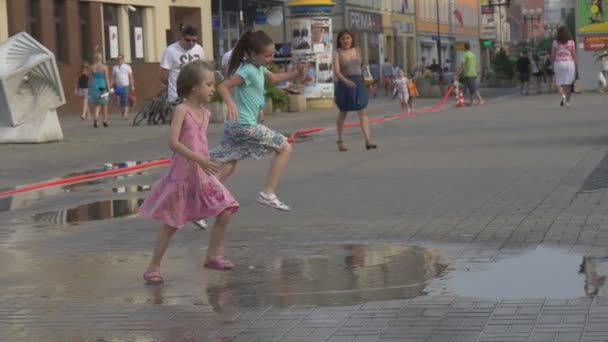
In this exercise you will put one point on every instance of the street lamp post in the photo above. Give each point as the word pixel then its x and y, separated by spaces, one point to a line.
pixel 531 15
pixel 551 27
pixel 439 42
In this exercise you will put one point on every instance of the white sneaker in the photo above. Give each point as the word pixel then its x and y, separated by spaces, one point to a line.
pixel 202 224
pixel 272 201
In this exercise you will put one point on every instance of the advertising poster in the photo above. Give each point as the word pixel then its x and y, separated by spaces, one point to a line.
pixel 300 35
pixel 312 88
pixel 139 42
pixel 319 76
pixel 113 32
pixel 325 73
pixel 321 35
pixel 592 16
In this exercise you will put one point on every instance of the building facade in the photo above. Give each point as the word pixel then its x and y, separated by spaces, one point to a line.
pixel 454 22
pixel 433 24
pixel 138 29
pixel 382 29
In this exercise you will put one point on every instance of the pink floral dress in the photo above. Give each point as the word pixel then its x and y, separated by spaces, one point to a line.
pixel 186 193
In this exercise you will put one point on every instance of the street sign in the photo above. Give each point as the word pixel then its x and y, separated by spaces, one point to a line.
pixel 488 43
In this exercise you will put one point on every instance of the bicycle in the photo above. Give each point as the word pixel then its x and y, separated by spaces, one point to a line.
pixel 156 110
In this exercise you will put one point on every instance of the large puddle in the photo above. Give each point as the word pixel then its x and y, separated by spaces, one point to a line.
pixel 539 273
pixel 315 275
pixel 330 274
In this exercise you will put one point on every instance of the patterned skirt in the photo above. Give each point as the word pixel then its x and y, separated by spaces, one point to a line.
pixel 242 141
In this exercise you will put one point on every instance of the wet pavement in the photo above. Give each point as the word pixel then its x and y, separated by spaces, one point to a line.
pixel 465 226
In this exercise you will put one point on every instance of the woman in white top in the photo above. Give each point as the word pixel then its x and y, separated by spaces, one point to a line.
pixel 563 55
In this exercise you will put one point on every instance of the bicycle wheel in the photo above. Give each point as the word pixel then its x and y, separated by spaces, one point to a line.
pixel 143 112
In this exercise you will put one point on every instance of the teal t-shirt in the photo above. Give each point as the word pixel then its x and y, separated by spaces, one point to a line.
pixel 248 96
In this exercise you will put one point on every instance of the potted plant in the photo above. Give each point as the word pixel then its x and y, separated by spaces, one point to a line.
pixel 276 97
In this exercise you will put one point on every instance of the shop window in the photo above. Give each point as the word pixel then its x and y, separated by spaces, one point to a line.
pixel 110 31
pixel 136 33
pixel 33 18
pixel 60 30
pixel 86 47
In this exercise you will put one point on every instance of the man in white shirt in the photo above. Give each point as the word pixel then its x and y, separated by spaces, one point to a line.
pixel 122 79
pixel 176 55
pixel 226 57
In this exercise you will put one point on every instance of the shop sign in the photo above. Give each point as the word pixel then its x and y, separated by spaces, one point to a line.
pixel 595 43
pixel 365 21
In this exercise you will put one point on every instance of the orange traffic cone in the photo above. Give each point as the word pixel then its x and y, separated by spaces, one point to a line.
pixel 460 98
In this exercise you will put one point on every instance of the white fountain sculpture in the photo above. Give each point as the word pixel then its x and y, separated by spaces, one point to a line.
pixel 30 92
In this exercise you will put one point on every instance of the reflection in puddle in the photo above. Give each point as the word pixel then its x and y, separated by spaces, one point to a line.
pixel 336 274
pixel 596 271
pixel 318 275
pixel 540 273
pixel 96 211
pixel 25 199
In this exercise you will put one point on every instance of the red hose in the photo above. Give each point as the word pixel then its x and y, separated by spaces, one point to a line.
pixel 292 138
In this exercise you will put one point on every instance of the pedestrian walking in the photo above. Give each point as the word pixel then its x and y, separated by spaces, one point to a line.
pixel 351 93
pixel 468 69
pixel 124 84
pixel 190 190
pixel 402 84
pixel 82 90
pixel 523 68
pixel 243 136
pixel 563 56
pixel 100 89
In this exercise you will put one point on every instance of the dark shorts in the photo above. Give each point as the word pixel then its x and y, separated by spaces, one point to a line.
pixel 470 83
pixel 524 77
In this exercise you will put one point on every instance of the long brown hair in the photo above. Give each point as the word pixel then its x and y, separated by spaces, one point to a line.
pixel 342 33
pixel 563 35
pixel 249 42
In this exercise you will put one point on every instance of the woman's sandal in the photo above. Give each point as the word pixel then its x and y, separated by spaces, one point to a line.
pixel 369 145
pixel 341 146
pixel 153 277
pixel 219 264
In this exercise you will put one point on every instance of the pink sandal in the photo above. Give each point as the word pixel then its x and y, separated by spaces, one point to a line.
pixel 219 264
pixel 153 277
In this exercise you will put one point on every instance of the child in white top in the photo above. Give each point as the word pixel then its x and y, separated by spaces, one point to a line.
pixel 401 83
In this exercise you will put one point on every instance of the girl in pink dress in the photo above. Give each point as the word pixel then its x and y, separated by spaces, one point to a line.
pixel 190 190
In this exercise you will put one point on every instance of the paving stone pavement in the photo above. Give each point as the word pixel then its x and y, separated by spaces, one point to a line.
pixel 406 243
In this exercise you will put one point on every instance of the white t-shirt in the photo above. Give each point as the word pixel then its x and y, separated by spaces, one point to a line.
pixel 226 58
pixel 174 58
pixel 605 63
pixel 120 74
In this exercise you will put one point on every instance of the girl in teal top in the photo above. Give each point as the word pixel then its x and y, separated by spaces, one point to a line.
pixel 243 136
